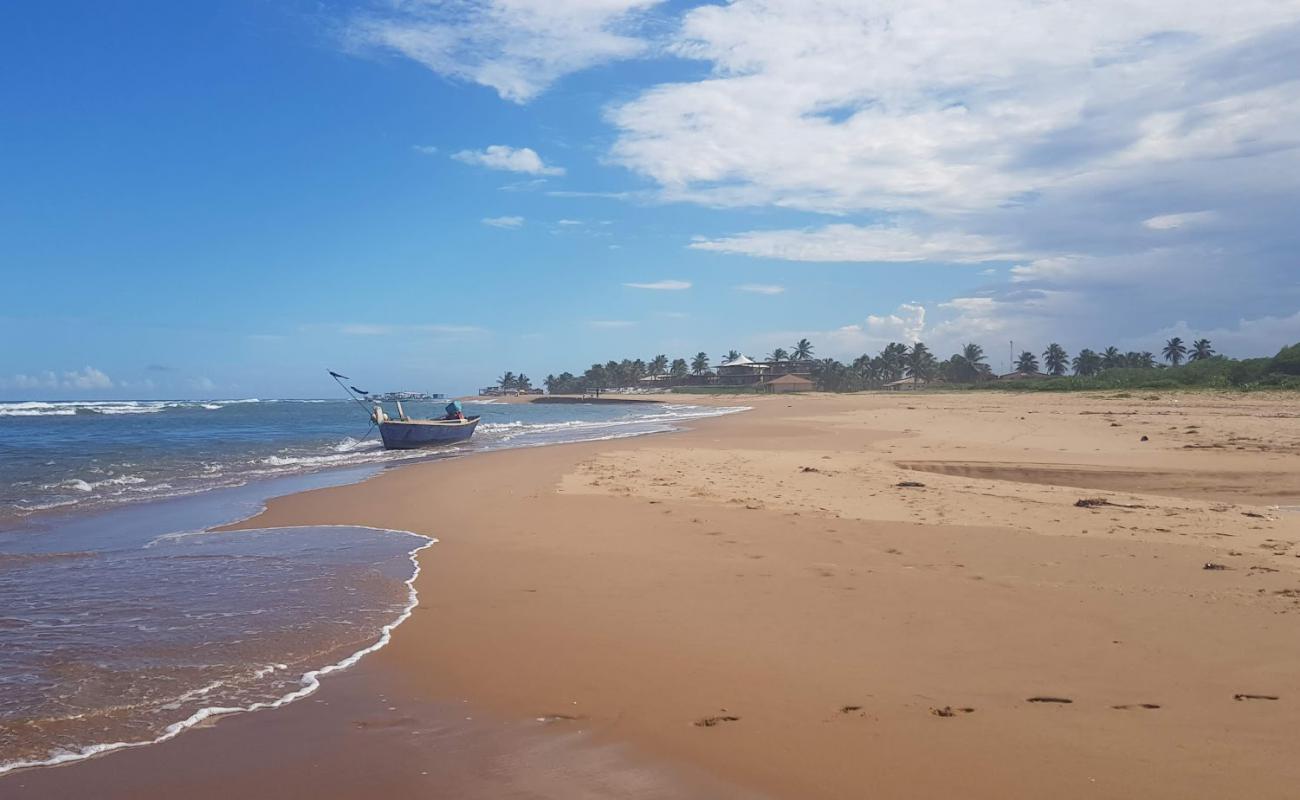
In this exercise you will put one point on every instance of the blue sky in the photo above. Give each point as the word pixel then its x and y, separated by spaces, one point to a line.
pixel 218 200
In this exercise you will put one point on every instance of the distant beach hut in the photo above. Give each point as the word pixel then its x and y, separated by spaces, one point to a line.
pixel 905 384
pixel 789 383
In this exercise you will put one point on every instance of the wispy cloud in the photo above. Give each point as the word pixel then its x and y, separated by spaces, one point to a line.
pixel 858 243
pixel 611 323
pixel 761 288
pixel 503 222
pixel 661 286
pixel 424 149
pixel 517 47
pixel 511 159
pixel 1169 222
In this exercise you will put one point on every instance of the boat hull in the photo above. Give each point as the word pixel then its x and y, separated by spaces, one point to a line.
pixel 415 434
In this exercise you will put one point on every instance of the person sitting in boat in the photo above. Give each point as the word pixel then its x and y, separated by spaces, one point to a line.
pixel 454 411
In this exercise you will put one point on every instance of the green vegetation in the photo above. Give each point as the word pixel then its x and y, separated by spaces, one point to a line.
pixel 1213 372
pixel 1194 367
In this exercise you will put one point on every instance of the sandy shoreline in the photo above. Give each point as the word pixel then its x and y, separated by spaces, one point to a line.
pixel 768 567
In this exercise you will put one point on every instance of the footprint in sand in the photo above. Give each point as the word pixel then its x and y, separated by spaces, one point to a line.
pixel 949 711
pixel 1254 697
pixel 1048 699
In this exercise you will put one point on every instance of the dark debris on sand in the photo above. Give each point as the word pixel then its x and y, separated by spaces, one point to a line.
pixel 709 722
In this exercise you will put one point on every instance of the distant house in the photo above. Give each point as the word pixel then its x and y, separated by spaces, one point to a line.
pixel 905 384
pixel 789 383
pixel 741 371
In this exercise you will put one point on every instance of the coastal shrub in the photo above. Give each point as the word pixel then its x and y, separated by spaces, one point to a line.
pixel 1287 361
pixel 1248 371
pixel 1209 373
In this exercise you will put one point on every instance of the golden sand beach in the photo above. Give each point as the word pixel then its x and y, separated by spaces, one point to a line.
pixel 912 595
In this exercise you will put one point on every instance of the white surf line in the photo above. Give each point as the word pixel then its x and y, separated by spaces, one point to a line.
pixel 310 680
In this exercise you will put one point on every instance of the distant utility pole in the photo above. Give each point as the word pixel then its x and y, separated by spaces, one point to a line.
pixel 1011 354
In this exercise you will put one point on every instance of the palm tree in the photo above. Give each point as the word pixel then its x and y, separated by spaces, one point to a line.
pixel 507 381
pixel 1146 360
pixel 973 354
pixel 1174 351
pixel 892 361
pixel 866 368
pixel 803 350
pixel 1027 363
pixel 1111 358
pixel 778 355
pixel 920 362
pixel 831 376
pixel 1055 359
pixel 1087 363
pixel 700 364
pixel 523 383
pixel 678 369
pixel 658 366
pixel 1201 350
pixel 551 383
pixel 968 365
pixel 732 355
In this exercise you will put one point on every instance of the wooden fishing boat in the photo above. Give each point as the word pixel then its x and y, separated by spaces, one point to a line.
pixel 404 433
pixel 409 434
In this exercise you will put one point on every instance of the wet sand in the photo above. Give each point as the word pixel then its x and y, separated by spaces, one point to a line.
pixel 768 604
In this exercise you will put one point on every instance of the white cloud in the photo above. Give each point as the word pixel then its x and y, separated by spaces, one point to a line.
pixel 75 380
pixel 1261 336
pixel 88 378
pixel 662 286
pixel 907 324
pixel 1065 136
pixel 424 149
pixel 201 384
pixel 503 222
pixel 761 288
pixel 569 222
pixel 840 105
pixel 1169 222
pixel 511 159
pixel 611 323
pixel 517 47
pixel 858 243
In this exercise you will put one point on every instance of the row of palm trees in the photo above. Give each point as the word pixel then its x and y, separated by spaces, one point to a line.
pixel 629 372
pixel 1088 362
pixel 511 382
pixel 894 362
